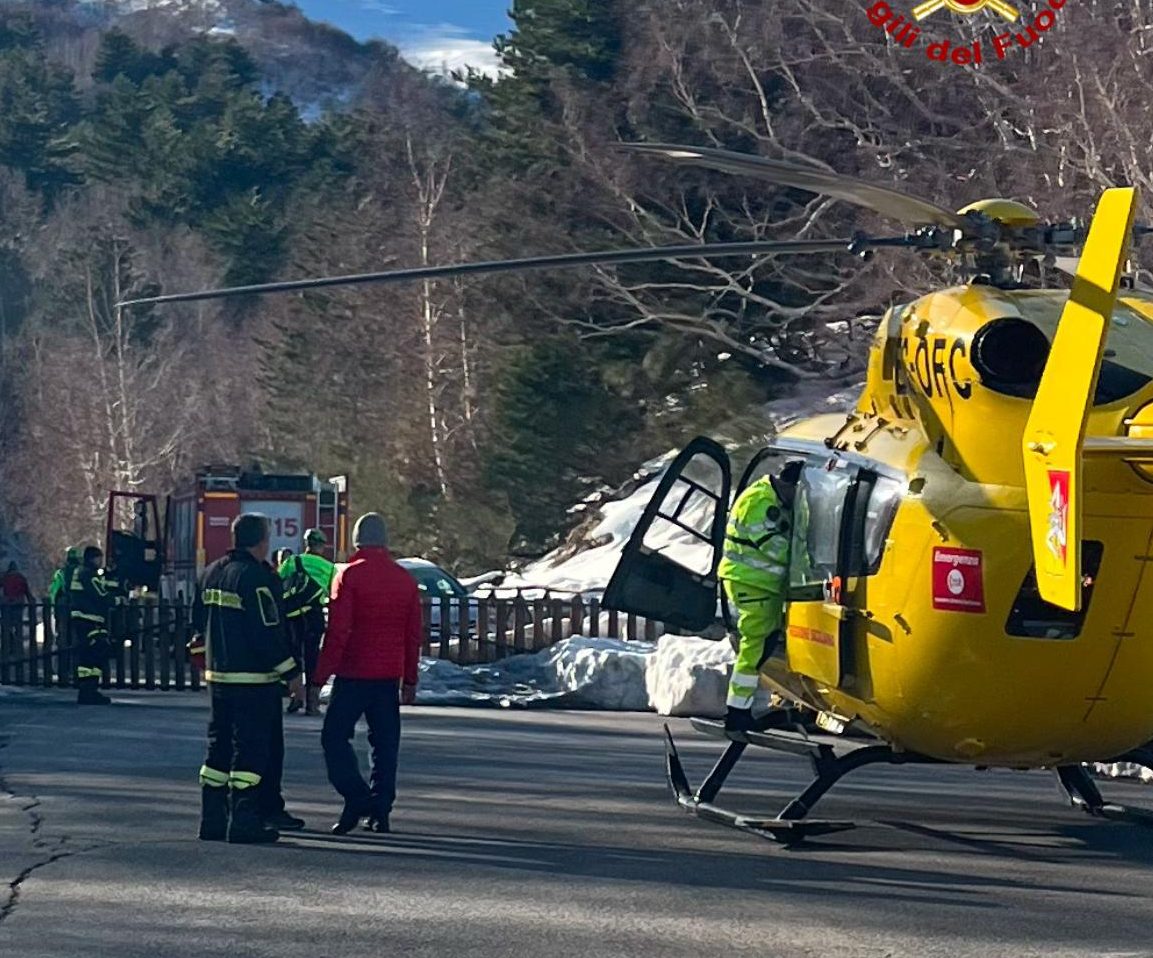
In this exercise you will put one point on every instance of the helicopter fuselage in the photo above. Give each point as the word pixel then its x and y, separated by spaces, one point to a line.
pixel 936 638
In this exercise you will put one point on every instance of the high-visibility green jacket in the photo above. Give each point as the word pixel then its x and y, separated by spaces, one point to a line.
pixel 61 581
pixel 319 569
pixel 757 540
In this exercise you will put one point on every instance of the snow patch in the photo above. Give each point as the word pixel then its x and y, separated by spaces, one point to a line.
pixel 689 676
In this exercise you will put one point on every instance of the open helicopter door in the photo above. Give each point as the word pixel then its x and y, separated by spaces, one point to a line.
pixel 668 569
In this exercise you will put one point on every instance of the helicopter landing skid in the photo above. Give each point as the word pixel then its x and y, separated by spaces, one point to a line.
pixel 831 759
pixel 1083 793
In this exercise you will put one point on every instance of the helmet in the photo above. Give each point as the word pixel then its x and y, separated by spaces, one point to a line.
pixel 314 537
pixel 791 471
pixel 72 555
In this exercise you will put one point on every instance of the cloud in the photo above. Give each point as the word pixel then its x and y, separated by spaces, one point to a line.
pixel 445 47
pixel 378 6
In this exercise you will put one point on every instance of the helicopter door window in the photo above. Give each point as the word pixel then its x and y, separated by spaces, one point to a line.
pixel 882 509
pixel 817 514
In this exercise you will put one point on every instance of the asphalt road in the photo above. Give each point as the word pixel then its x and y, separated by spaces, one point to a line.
pixel 538 833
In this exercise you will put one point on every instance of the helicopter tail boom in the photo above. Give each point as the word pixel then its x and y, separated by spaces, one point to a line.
pixel 1054 442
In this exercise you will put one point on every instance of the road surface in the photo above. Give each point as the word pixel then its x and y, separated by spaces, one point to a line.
pixel 537 833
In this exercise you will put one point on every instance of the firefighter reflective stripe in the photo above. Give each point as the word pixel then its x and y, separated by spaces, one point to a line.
pixel 196 649
pixel 286 666
pixel 243 780
pixel 757 539
pixel 269 613
pixel 212 777
pixel 85 672
pixel 738 557
pixel 242 678
pixel 223 599
pixel 87 616
pixel 742 690
pixel 298 613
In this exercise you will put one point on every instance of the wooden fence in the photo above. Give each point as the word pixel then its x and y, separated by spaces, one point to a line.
pixel 149 638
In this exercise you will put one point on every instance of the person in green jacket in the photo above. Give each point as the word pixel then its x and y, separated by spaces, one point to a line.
pixel 755 572
pixel 62 577
pixel 305 597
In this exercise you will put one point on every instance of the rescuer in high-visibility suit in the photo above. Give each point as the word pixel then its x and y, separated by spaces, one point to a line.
pixel 755 572
pixel 62 577
pixel 307 584
pixel 88 604
pixel 247 654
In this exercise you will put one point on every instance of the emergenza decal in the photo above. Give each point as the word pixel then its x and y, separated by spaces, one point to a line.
pixel 958 580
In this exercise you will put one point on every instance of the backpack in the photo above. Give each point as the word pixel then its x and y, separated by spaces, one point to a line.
pixel 301 591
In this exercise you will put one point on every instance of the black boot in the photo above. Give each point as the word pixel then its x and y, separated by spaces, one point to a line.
pixel 89 693
pixel 738 720
pixel 378 824
pixel 213 813
pixel 350 817
pixel 283 822
pixel 246 827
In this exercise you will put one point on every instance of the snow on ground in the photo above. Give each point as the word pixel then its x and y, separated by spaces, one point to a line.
pixel 677 675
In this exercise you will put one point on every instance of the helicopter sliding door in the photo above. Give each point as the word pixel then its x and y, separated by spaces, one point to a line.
pixel 668 569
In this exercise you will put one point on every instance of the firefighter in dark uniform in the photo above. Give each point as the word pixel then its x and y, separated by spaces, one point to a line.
pixel 88 604
pixel 248 655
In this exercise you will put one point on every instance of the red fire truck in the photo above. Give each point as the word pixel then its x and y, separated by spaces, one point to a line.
pixel 167 553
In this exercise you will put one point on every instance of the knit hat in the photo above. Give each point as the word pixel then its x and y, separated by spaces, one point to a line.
pixel 370 532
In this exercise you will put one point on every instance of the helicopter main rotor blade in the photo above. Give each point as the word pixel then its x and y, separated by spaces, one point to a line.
pixel 560 261
pixel 910 210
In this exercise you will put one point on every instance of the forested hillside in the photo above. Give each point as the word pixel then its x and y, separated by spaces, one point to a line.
pixel 151 153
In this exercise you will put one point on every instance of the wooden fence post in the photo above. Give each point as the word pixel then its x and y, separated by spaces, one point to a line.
pixel 557 621
pixel 538 615
pixel 576 613
pixel 502 610
pixel 165 622
pixel 6 651
pixel 133 629
pixel 520 620
pixel 28 624
pixel 614 625
pixel 117 635
pixel 426 625
pixel 482 641
pixel 179 641
pixel 445 651
pixel 594 618
pixel 148 638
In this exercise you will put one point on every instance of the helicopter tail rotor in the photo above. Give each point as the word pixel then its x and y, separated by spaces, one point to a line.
pixel 1055 434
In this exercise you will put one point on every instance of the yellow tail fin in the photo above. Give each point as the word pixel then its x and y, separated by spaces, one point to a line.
pixel 1055 432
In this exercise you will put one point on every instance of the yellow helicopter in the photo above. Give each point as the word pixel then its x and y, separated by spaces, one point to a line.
pixel 968 580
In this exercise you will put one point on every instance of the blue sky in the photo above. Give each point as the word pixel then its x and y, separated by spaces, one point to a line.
pixel 430 33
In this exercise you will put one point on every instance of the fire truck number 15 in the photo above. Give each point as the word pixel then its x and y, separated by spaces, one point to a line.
pixel 286 528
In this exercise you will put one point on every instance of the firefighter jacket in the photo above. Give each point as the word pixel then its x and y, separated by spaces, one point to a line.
pixel 236 615
pixel 61 581
pixel 319 569
pixel 114 585
pixel 302 593
pixel 88 599
pixel 757 540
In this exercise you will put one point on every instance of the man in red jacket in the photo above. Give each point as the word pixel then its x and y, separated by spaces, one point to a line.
pixel 372 644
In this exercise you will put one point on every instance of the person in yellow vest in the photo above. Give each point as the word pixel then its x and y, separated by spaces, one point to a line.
pixel 755 572
pixel 307 584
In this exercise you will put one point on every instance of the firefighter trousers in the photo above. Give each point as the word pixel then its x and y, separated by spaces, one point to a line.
pixel 759 618
pixel 246 743
pixel 90 650
pixel 307 633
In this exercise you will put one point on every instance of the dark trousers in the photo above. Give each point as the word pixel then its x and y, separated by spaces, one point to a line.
pixel 90 650
pixel 379 702
pixel 307 632
pixel 246 742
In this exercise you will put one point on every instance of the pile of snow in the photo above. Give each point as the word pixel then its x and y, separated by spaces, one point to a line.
pixel 1123 770
pixel 689 676
pixel 677 675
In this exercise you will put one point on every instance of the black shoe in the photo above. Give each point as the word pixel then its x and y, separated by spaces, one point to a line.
pixel 349 819
pixel 213 814
pixel 294 706
pixel 738 720
pixel 378 825
pixel 283 822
